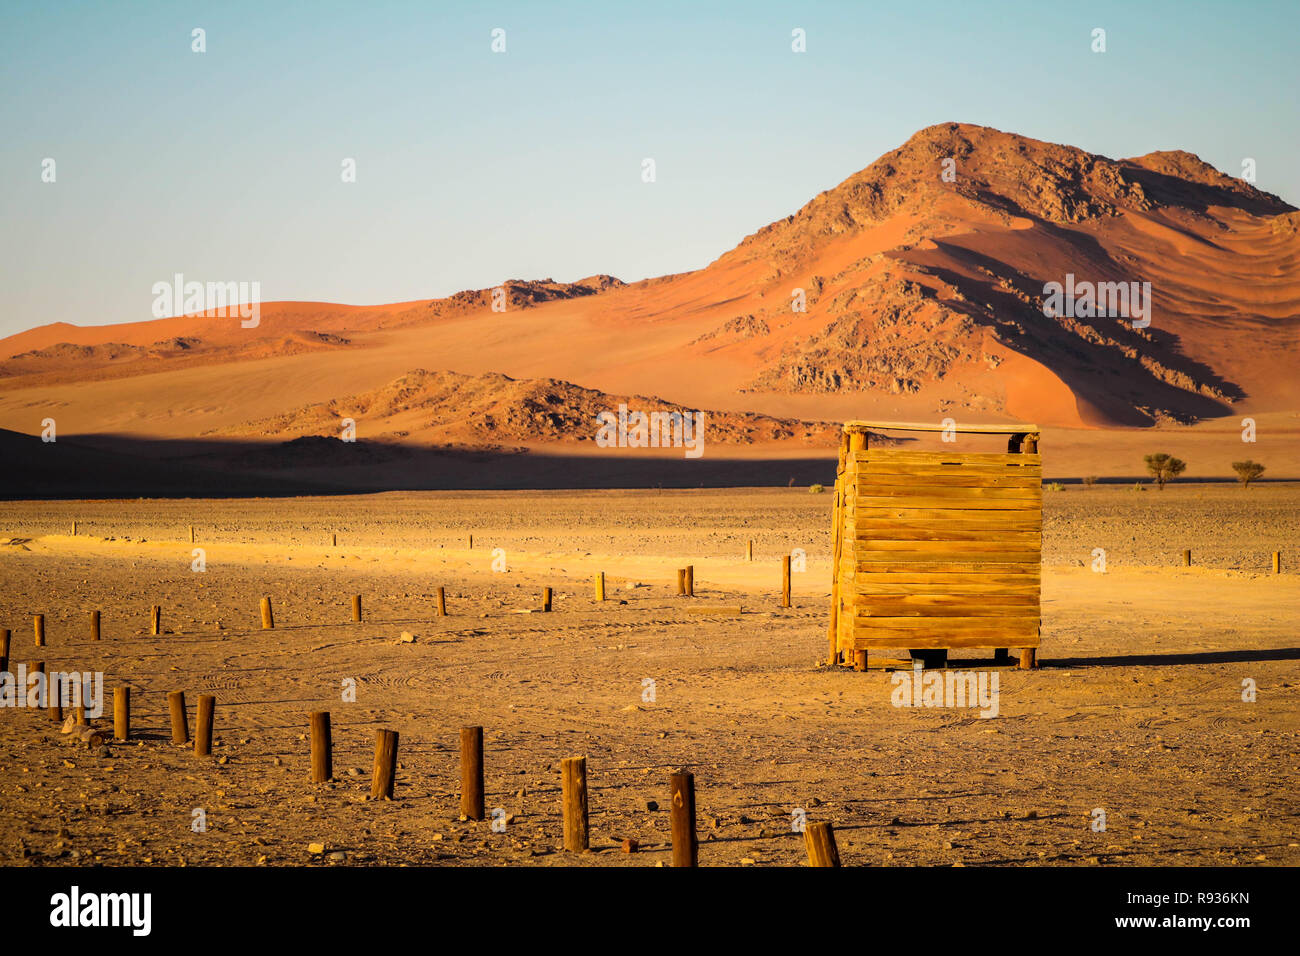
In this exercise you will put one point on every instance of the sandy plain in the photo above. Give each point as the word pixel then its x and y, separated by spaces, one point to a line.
pixel 1137 708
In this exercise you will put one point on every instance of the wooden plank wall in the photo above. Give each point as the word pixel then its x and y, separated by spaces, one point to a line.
pixel 938 550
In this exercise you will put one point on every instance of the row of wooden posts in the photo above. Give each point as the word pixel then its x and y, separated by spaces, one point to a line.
pixel 54 698
pixel 819 837
pixel 1277 560
pixel 687 587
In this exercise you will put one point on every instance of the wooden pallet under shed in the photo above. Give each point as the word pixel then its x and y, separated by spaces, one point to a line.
pixel 936 549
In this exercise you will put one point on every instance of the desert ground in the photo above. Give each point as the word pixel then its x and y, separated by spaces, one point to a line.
pixel 1137 708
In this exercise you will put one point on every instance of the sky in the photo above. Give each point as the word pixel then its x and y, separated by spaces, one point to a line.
pixel 475 166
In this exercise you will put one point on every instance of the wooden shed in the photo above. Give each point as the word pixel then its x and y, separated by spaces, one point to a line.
pixel 936 549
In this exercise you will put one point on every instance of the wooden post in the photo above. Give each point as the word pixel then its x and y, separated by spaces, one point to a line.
pixel 191 534
pixel 122 713
pixel 77 702
pixel 471 773
pixel 600 585
pixel 94 625
pixel 203 725
pixel 681 787
pixel 74 529
pixel 54 697
pixel 442 602
pixel 37 667
pixel 1187 557
pixel 690 580
pixel 334 539
pixel 268 619
pixel 155 619
pixel 322 747
pixel 573 790
pixel 180 719
pixel 546 599
pixel 819 838
pixel 1277 562
pixel 38 623
pixel 356 608
pixel 471 542
pixel 749 551
pixel 681 580
pixel 4 650
pixel 860 660
pixel 381 784
pixel 785 581
pixel 1028 658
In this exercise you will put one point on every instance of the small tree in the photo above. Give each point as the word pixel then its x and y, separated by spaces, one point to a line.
pixel 1247 471
pixel 1089 480
pixel 1164 468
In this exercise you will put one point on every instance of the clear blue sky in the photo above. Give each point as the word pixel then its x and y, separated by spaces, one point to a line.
pixel 475 167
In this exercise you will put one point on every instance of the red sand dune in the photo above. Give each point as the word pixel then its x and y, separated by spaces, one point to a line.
pixel 924 300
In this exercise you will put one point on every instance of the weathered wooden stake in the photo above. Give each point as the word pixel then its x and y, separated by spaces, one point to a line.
pixel 94 625
pixel 381 784
pixel 322 747
pixel 54 697
pixel 38 623
pixel 819 838
pixel 859 660
pixel 74 529
pixel 690 580
pixel 356 607
pixel 471 773
pixel 573 789
pixel 191 534
pixel 1187 557
pixel 785 581
pixel 600 585
pixel 4 649
pixel 442 602
pixel 122 713
pixel 1277 562
pixel 546 599
pixel 180 718
pixel 471 542
pixel 38 667
pixel 268 618
pixel 155 619
pixel 334 539
pixel 749 551
pixel 681 580
pixel 1028 658
pixel 203 725
pixel 681 787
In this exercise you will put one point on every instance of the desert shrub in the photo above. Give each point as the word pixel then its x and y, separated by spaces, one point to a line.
pixel 815 489
pixel 1090 480
pixel 1054 486
pixel 1137 486
pixel 1247 471
pixel 1164 468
